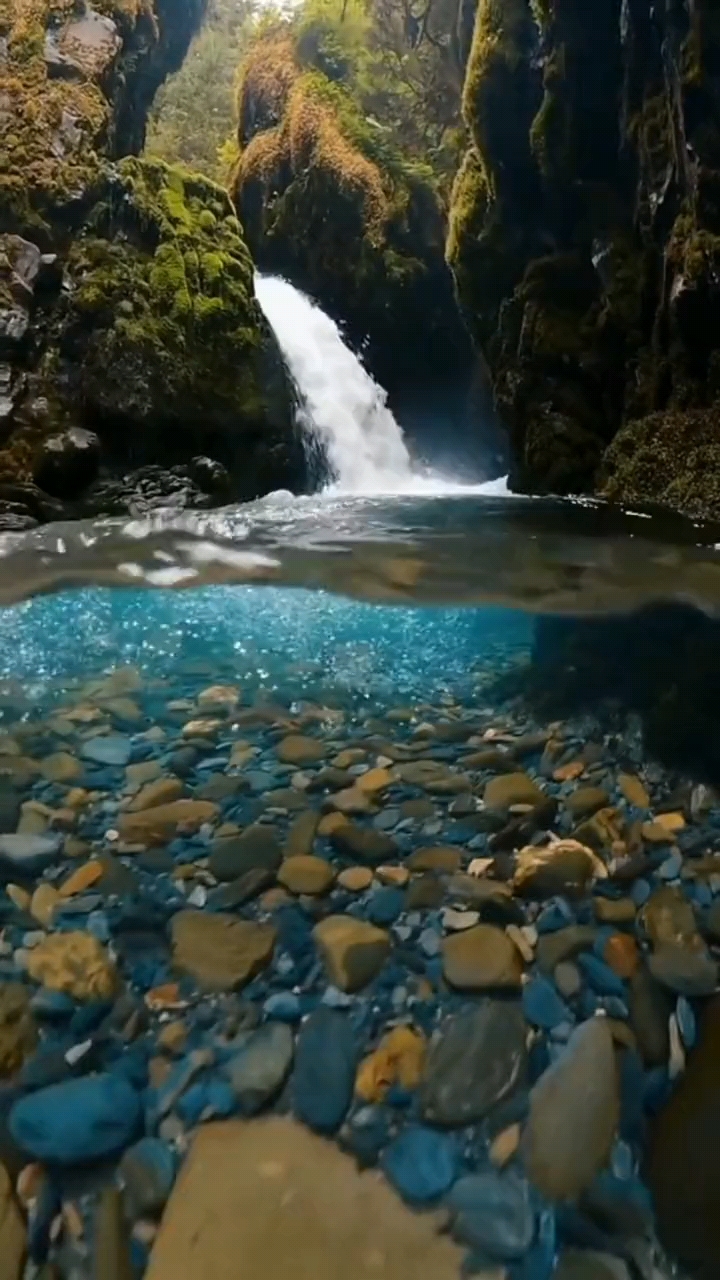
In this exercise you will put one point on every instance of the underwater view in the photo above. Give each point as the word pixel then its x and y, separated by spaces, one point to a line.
pixel 359 640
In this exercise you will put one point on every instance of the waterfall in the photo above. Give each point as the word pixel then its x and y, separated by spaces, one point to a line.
pixel 343 408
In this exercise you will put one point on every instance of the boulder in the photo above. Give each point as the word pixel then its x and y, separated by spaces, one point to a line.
pixel 77 1121
pixel 475 1060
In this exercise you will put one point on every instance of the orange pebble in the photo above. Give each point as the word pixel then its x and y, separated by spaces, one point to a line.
pixel 621 953
pixel 399 1057
pixel 85 876
pixel 165 997
pixel 569 772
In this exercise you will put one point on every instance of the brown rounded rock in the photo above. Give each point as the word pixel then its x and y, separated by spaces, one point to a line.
pixel 75 963
pixel 288 1203
pixel 364 843
pixel 586 801
pixel 564 868
pixel 161 791
pixel 355 879
pixel 18 1033
pixel 438 858
pixel 306 874
pixel 219 951
pixel 353 951
pixel 481 959
pixel 298 750
pixel 161 824
pixel 511 788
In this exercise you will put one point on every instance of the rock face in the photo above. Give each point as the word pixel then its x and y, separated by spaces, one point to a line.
pixel 364 235
pixel 585 242
pixel 129 330
pixel 271 1193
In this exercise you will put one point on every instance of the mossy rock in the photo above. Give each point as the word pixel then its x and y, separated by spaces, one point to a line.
pixel 671 458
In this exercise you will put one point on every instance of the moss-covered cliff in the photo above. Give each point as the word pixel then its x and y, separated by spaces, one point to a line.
pixel 126 288
pixel 328 200
pixel 585 240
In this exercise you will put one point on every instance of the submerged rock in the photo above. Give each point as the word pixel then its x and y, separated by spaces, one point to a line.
pixel 218 951
pixel 325 1065
pixel 353 951
pixel 18 1032
pixel 493 1213
pixel 574 1111
pixel 481 958
pixel 476 1059
pixel 259 1070
pixel 75 963
pixel 77 1121
pixel 13 1233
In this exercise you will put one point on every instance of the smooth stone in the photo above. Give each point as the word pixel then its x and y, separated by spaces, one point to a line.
pixel 162 823
pixel 287 1203
pixel 221 787
pixel 493 1212
pixel 114 750
pixel 633 790
pixel 614 910
pixel 421 1164
pixel 567 979
pixel 259 1071
pixel 650 1007
pixel 238 892
pixel 668 917
pixel 364 843
pixel 476 890
pixel 257 846
pixel 75 963
pixel 686 972
pixel 304 873
pixel 442 858
pixel 161 791
pixel 298 750
pixel 325 1067
pixel 683 1166
pixel 563 944
pixel 111 1246
pixel 355 879
pixel 18 1033
pixel 301 836
pixel 476 1059
pixel 353 951
pixel 61 767
pixel 385 905
pixel 77 1121
pixel 586 801
pixel 566 868
pixel 147 1171
pixel 44 903
pixel 481 958
pixel 220 952
pixel 511 788
pixel 29 854
pixel 13 1232
pixel 574 1112
pixel 542 1005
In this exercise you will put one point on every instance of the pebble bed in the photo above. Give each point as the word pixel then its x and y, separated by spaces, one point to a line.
pixel 469 948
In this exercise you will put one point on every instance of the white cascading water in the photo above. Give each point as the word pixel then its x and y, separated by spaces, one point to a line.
pixel 344 408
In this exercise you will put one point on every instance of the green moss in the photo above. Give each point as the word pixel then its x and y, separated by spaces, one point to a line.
pixel 504 33
pixel 693 251
pixel 671 458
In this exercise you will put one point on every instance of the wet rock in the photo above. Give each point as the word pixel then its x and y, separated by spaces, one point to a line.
pixel 353 951
pixel 634 790
pixel 301 836
pixel 162 823
pixel 325 1066
pixel 477 1058
pixel 565 868
pixel 75 963
pixel 684 971
pixel 512 788
pixel 542 1005
pixel 480 959
pixel 13 1234
pixel 67 463
pixel 586 801
pixel 650 1007
pixel 220 788
pixel 61 767
pixel 563 944
pixel 304 873
pixel 237 892
pixel 114 750
pixel 424 893
pixel 493 1213
pixel 258 1072
pixel 160 791
pixel 568 979
pixel 355 879
pixel 442 858
pixel 44 903
pixel 370 846
pixel 683 1167
pixel 77 1121
pixel 218 951
pixel 621 954
pixel 147 1171
pixel 668 916
pixel 614 910
pixel 28 855
pixel 278 1194
pixel 586 1264
pixel 574 1111
pixel 421 1164
pixel 399 1058
pixel 112 1257
pixel 18 1033
pixel 298 750
pixel 257 846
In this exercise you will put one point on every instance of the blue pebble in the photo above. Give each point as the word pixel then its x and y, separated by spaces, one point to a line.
pixel 657 1090
pixel 687 1022
pixel 385 905
pixel 543 1006
pixel 284 1006
pixel 539 1261
pixel 77 1121
pixel 494 1213
pixel 670 869
pixel 205 1100
pixel 601 977
pixel 640 892
pixel 114 750
pixel 556 915
pixel 700 893
pixel 325 1065
pixel 52 1005
pixel 421 1163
